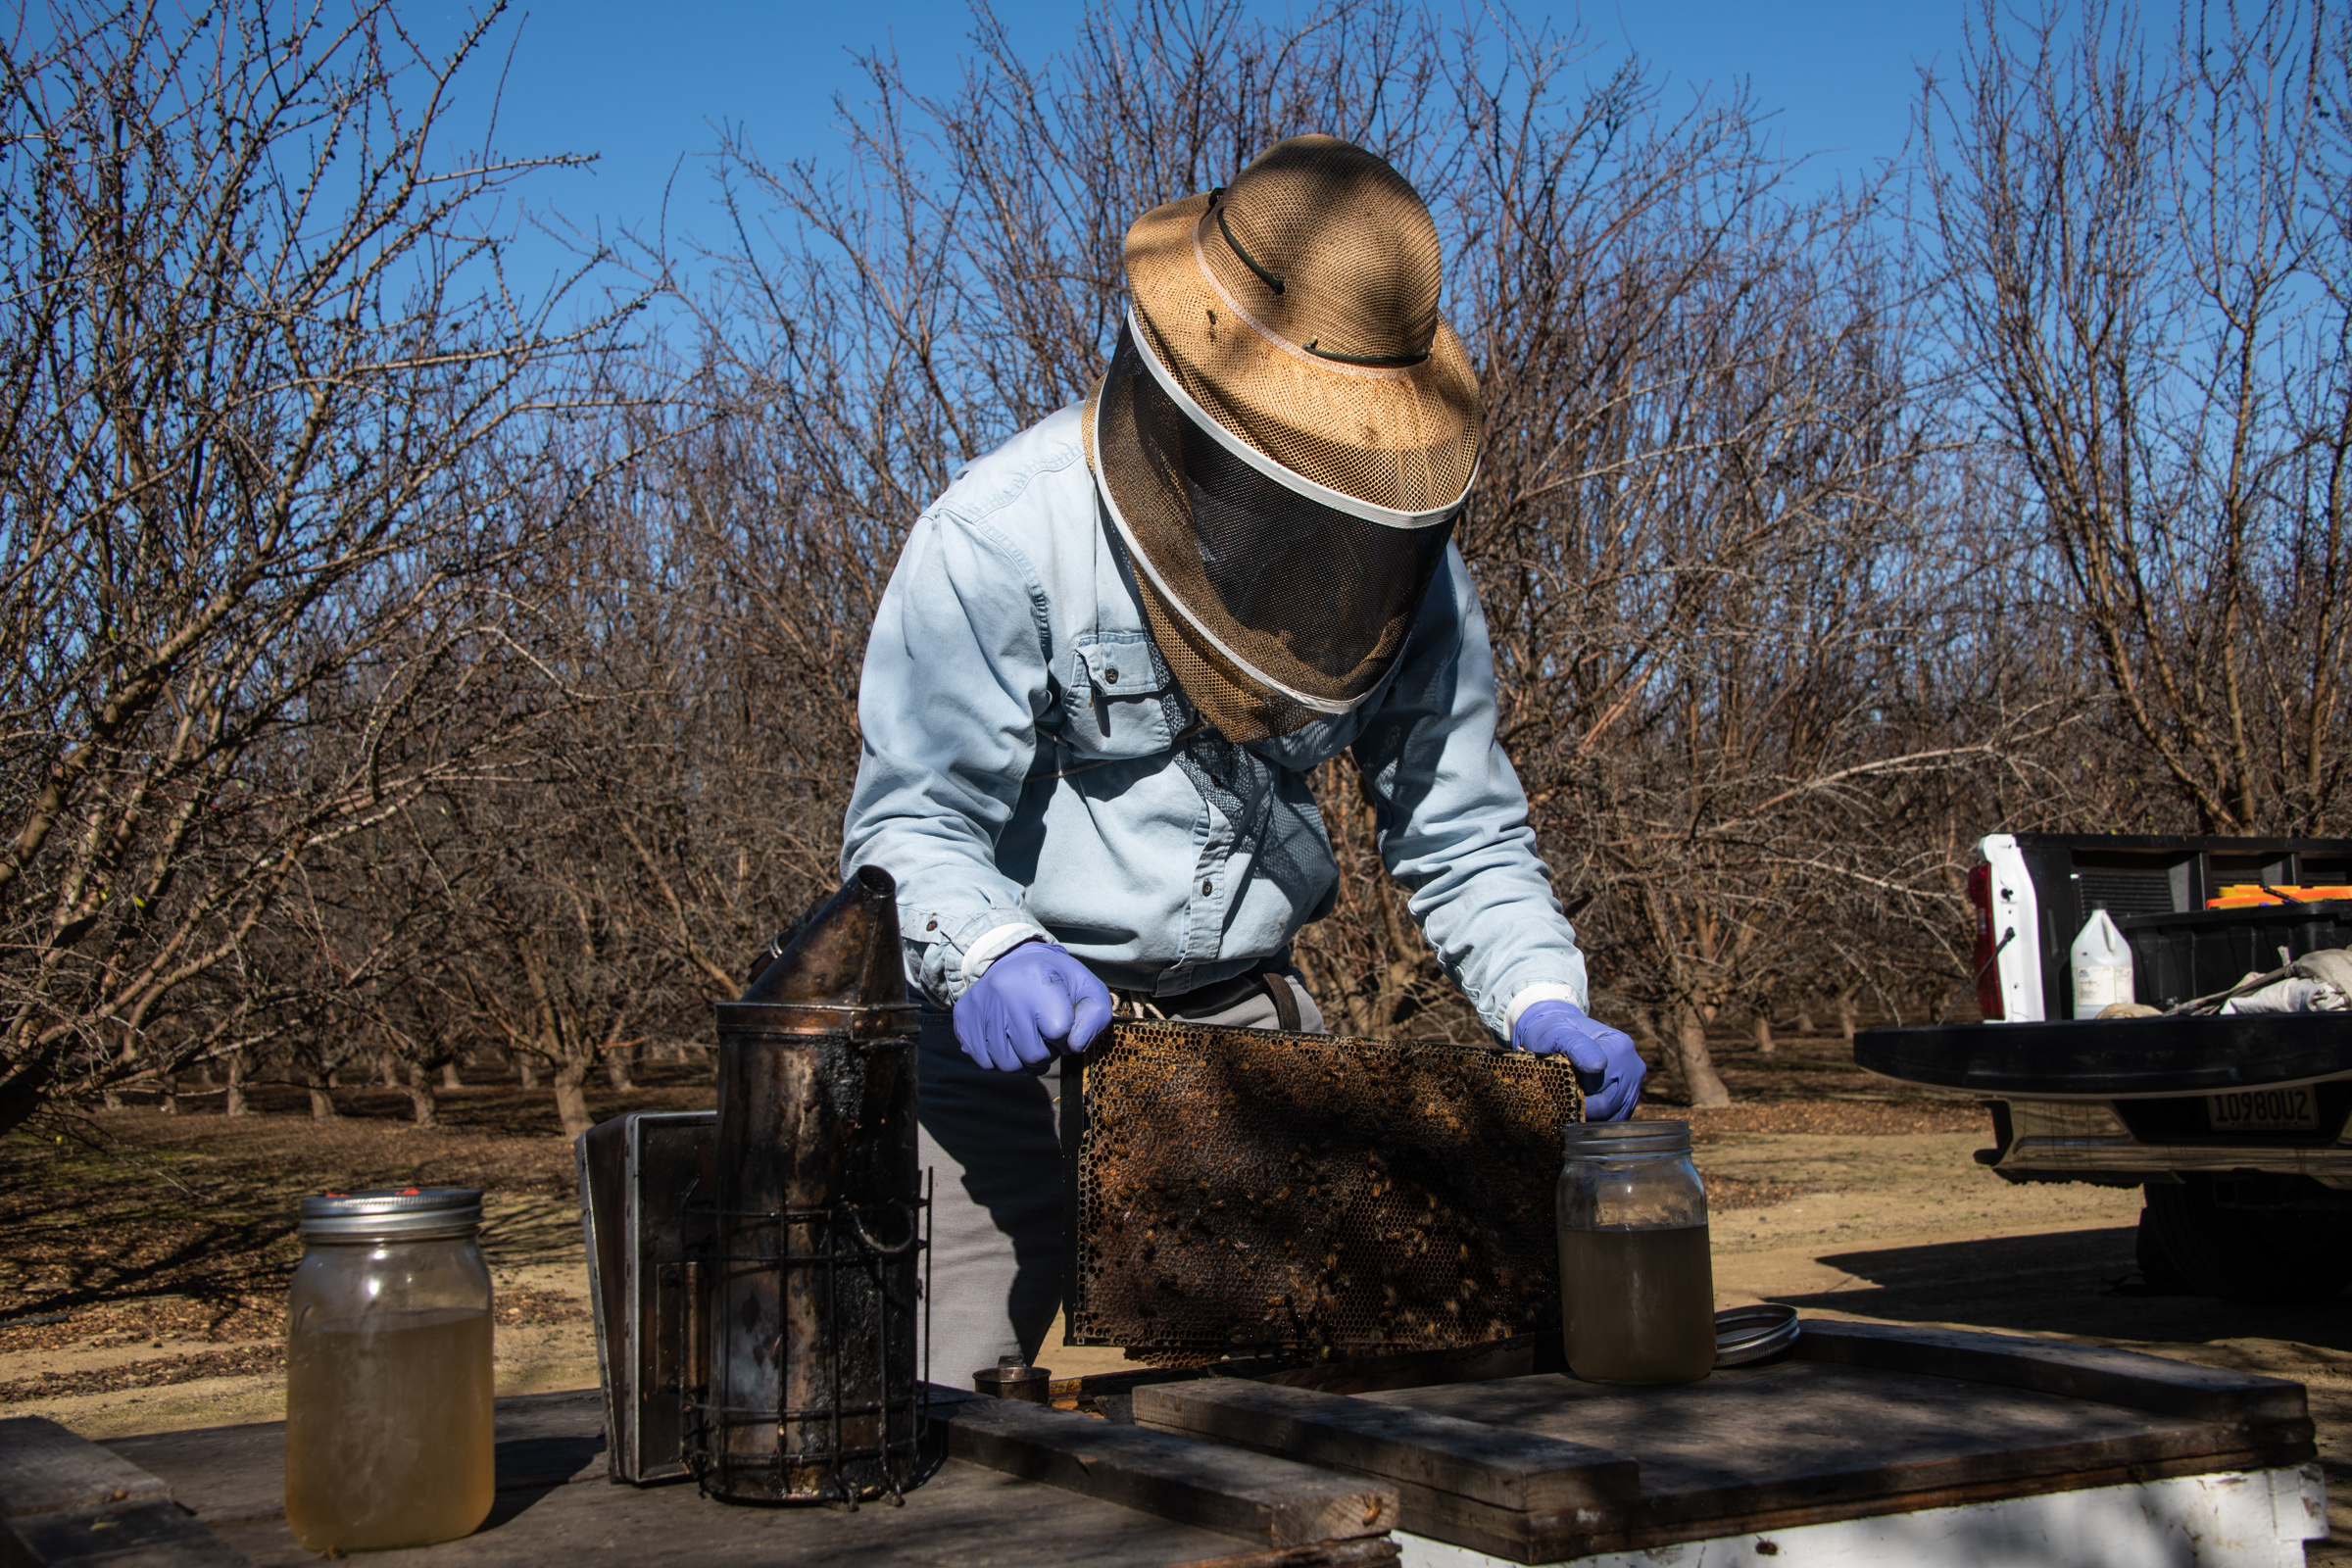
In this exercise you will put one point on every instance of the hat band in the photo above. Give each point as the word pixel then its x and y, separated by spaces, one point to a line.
pixel 1298 484
pixel 1175 601
pixel 1345 365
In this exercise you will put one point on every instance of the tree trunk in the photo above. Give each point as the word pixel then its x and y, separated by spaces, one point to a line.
pixel 1699 1078
pixel 1846 1015
pixel 1804 1020
pixel 420 1096
pixel 168 1085
pixel 572 1101
pixel 616 1067
pixel 1764 1043
pixel 233 1103
pixel 449 1074
pixel 323 1103
pixel 111 1099
pixel 386 1071
pixel 528 1071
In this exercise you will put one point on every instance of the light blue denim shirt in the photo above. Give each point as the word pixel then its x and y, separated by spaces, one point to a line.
pixel 1020 771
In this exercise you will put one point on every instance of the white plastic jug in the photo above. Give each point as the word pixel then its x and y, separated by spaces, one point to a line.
pixel 2102 965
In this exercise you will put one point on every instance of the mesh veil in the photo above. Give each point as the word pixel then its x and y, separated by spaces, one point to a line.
pixel 1271 609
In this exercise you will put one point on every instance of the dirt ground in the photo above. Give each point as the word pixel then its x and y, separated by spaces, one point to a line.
pixel 144 1257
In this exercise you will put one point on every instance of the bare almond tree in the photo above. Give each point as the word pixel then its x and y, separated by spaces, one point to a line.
pixel 267 404
pixel 2146 244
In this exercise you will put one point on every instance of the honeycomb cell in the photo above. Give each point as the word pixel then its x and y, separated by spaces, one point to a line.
pixel 1242 1189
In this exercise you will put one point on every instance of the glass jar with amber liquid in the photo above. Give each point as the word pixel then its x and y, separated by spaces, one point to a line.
pixel 388 1396
pixel 1637 1281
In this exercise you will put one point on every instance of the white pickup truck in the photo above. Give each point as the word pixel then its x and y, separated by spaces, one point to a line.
pixel 2234 1125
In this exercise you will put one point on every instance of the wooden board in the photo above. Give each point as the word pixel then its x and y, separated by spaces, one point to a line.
pixel 66 1503
pixel 46 1469
pixel 555 1503
pixel 154 1535
pixel 2082 1371
pixel 230 1475
pixel 1862 1420
pixel 1515 1470
pixel 1275 1502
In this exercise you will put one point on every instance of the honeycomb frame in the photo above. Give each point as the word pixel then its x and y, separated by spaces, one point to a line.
pixel 1250 1190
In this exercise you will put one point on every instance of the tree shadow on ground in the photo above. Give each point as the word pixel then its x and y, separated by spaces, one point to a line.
pixel 2065 1282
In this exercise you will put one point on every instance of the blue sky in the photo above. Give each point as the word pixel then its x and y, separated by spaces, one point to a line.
pixel 643 87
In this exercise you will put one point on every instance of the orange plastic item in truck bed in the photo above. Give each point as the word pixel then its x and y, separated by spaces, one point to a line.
pixel 2248 896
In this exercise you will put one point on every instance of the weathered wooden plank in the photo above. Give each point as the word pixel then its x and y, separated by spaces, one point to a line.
pixel 1806 1442
pixel 149 1535
pixel 66 1503
pixel 1274 1501
pixel 2080 1371
pixel 1801 1426
pixel 1550 1541
pixel 46 1469
pixel 964 1514
pixel 1515 1470
pixel 227 1474
pixel 1519 1355
pixel 1371 1551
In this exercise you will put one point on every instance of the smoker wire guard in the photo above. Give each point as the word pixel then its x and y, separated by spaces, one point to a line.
pixel 1432 1215
pixel 900 1423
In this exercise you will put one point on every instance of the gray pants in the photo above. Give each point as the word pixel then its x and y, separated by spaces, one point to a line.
pixel 992 1143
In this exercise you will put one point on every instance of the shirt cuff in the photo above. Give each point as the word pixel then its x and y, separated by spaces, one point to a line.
pixel 995 942
pixel 1545 991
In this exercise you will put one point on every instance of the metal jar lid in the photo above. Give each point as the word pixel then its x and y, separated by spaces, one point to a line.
pixel 1605 1139
pixel 1748 1333
pixel 393 1213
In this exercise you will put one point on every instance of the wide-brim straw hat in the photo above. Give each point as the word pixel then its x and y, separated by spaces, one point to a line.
pixel 1293 317
pixel 1299 307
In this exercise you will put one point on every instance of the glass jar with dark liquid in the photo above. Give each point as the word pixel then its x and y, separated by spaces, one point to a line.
pixel 1637 1283
pixel 388 1393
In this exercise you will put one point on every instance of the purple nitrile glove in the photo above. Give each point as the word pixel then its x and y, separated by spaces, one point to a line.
pixel 1035 998
pixel 1605 1062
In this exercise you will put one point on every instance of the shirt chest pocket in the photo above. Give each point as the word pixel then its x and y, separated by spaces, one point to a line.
pixel 1114 696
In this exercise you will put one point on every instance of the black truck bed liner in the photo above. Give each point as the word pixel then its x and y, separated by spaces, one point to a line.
pixel 2106 1058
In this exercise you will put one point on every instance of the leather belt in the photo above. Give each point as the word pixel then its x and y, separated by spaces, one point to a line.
pixel 1272 978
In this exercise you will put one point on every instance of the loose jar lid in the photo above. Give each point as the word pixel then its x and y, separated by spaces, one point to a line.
pixel 1750 1334
pixel 1600 1140
pixel 407 1213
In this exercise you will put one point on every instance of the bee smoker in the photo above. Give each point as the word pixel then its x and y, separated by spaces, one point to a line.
pixel 755 1273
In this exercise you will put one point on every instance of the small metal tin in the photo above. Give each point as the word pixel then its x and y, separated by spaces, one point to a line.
pixel 1748 1333
pixel 1012 1378
pixel 403 1213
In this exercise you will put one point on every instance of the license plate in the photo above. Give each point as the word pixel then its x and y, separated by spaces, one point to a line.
pixel 2264 1111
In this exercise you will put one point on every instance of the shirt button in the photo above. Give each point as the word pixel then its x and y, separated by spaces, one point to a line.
pixel 1207 887
pixel 1112 675
pixel 933 926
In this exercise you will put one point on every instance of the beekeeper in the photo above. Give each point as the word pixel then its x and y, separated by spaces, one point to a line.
pixel 1111 654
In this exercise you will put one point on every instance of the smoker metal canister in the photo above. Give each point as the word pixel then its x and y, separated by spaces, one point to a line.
pixel 813 1387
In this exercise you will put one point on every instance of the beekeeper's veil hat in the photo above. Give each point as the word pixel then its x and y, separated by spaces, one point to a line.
pixel 1286 434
